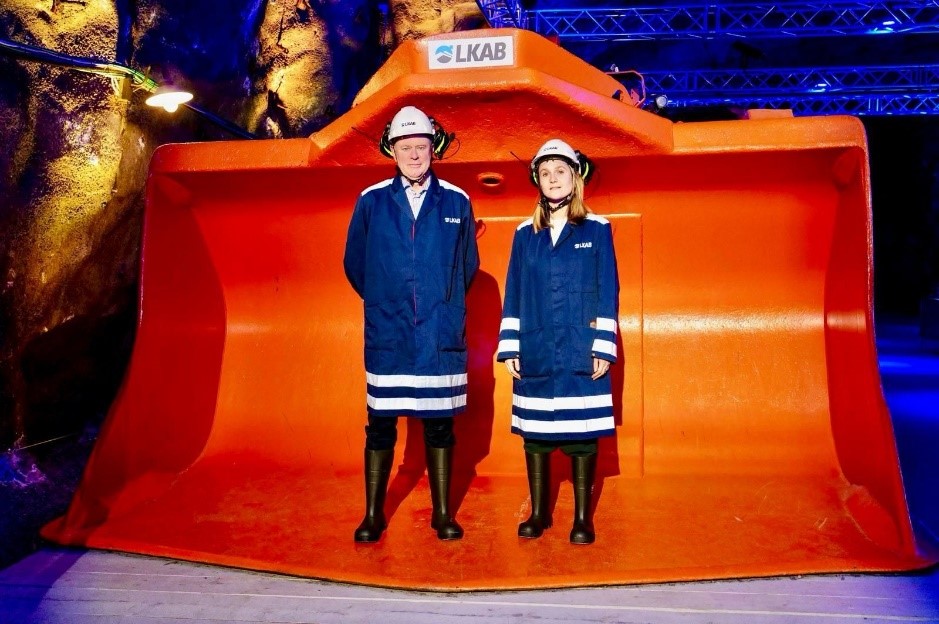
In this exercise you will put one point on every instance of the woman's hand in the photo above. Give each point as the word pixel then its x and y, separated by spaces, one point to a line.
pixel 600 367
pixel 513 367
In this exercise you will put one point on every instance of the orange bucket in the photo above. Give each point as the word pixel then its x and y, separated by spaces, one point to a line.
pixel 752 435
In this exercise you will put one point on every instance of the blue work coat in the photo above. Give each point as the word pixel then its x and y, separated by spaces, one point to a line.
pixel 560 312
pixel 412 275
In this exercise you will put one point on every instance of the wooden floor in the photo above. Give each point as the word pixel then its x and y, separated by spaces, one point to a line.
pixel 57 586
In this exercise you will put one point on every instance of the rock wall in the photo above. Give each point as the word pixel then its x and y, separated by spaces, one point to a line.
pixel 60 211
pixel 412 19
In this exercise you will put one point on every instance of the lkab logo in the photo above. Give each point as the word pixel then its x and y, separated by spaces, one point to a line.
pixel 472 52
pixel 479 52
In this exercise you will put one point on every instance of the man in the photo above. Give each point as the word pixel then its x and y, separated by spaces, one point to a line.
pixel 411 255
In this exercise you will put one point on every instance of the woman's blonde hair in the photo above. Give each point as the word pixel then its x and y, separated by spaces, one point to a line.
pixel 577 210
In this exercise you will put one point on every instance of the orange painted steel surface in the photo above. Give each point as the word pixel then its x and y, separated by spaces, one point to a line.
pixel 752 436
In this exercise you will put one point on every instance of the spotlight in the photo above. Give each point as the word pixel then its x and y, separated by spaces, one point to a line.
pixel 656 104
pixel 169 98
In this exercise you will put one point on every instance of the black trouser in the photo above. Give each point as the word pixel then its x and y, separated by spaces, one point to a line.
pixel 570 448
pixel 381 432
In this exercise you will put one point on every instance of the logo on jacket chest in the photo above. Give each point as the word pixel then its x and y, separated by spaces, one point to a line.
pixel 586 245
pixel 451 220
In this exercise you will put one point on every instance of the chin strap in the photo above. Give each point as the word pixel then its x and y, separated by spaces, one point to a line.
pixel 418 181
pixel 547 207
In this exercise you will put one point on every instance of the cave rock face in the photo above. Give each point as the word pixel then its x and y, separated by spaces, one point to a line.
pixel 412 19
pixel 59 214
pixel 312 57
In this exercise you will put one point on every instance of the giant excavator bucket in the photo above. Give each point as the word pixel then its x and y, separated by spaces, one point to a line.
pixel 752 436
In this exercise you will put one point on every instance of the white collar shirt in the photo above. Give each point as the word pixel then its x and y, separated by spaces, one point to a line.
pixel 415 195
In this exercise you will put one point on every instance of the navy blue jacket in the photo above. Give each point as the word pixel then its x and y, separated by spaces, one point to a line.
pixel 413 276
pixel 560 312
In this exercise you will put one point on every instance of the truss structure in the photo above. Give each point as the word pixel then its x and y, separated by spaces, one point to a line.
pixel 860 104
pixel 791 81
pixel 746 20
pixel 885 90
pixel 503 13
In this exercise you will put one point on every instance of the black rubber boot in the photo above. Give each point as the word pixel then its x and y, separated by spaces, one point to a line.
pixel 539 485
pixel 438 473
pixel 582 469
pixel 377 469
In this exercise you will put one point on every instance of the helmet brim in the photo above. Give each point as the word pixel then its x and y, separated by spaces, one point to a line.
pixel 537 163
pixel 424 135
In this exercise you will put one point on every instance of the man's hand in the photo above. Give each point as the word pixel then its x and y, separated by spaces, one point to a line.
pixel 513 367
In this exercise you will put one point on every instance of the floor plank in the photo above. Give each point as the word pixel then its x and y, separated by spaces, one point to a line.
pixel 57 586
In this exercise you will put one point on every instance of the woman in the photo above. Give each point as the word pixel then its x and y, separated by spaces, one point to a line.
pixel 558 333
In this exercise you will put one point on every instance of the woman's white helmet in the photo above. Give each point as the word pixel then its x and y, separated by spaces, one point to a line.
pixel 555 148
pixel 410 121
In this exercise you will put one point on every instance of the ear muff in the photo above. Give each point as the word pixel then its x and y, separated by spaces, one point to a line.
pixel 384 143
pixel 441 140
pixel 584 166
pixel 439 143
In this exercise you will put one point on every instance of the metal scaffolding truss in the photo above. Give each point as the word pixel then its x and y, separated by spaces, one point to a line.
pixel 901 89
pixel 503 13
pixel 776 19
pixel 792 81
pixel 859 104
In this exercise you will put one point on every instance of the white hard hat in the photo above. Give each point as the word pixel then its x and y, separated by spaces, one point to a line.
pixel 410 121
pixel 555 148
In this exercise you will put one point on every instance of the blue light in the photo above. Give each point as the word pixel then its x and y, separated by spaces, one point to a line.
pixel 892 364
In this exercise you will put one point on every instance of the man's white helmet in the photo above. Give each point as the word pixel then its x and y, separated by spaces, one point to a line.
pixel 555 148
pixel 410 121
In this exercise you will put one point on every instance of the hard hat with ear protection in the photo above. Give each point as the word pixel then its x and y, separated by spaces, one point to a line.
pixel 411 121
pixel 556 148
